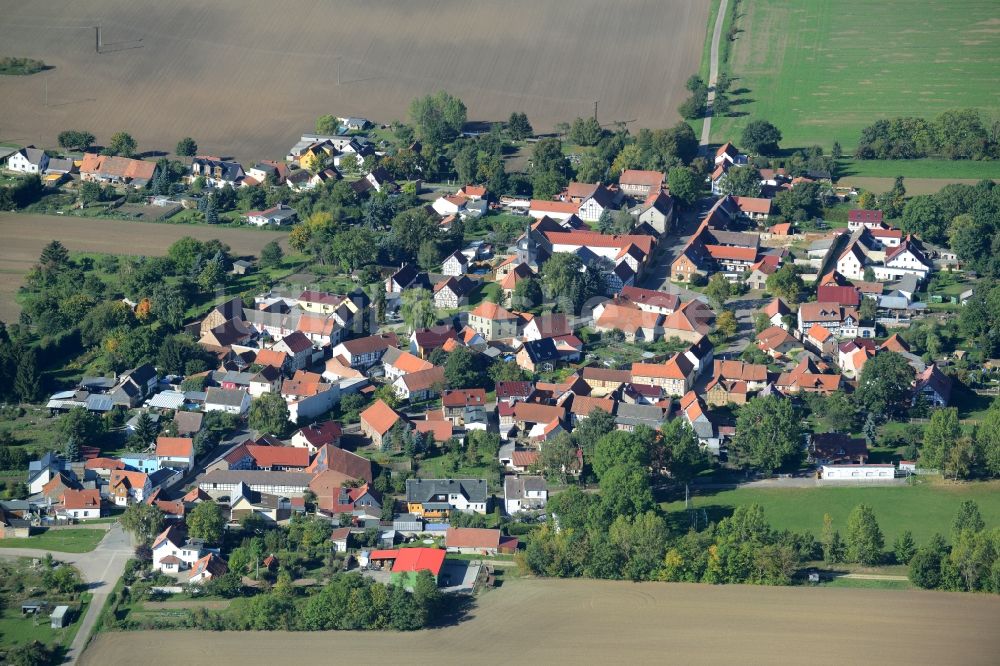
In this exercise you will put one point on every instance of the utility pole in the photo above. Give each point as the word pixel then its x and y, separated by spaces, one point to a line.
pixel 46 79
pixel 97 39
pixel 595 108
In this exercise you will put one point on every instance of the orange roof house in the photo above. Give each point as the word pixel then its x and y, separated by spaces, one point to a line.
pixel 175 447
pixel 377 420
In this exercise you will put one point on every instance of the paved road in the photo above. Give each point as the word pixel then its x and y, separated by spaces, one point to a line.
pixel 101 568
pixel 713 74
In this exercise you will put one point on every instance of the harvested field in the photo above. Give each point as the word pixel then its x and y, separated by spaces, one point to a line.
pixel 24 236
pixel 583 621
pixel 245 77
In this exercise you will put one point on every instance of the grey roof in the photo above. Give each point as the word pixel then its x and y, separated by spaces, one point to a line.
pixel 34 155
pixel 239 378
pixel 425 490
pixel 515 487
pixel 649 415
pixel 821 244
pixel 908 283
pixel 734 238
pixel 227 397
pixel 167 400
pixel 98 383
pixel 98 402
pixel 59 165
pixel 260 318
pixel 542 350
pixel 256 478
pixel 893 302
pixel 142 374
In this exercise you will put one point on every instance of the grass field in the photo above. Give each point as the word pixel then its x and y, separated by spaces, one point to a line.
pixel 587 621
pixel 244 78
pixel 82 540
pixel 924 509
pixel 822 69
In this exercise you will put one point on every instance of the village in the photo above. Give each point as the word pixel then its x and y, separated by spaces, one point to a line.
pixel 426 415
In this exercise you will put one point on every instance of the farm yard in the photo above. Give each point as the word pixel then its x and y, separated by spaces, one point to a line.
pixel 24 236
pixel 244 78
pixel 821 70
pixel 635 623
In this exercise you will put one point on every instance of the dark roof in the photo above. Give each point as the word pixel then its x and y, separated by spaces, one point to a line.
pixel 541 350
pixel 511 389
pixel 837 445
pixel 423 490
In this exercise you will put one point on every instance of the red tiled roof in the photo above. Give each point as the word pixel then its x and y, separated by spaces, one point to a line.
pixel 380 417
pixel 645 178
pixel 81 499
pixel 418 559
pixel 280 456
pixel 174 447
pixel 524 457
pixel 471 537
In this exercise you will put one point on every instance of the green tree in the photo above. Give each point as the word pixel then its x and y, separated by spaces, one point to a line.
pixel 940 436
pixel 82 426
pixel 726 325
pixel 464 369
pixel 925 566
pixel 417 309
pixel 144 432
pixel 884 386
pixel 967 518
pixel 718 290
pixel 518 126
pixel 143 521
pixel 741 182
pixel 904 547
pixel 686 186
pixel 121 144
pixel 621 448
pixel 558 456
pixel 560 273
pixel 186 147
pixel 786 284
pixel 212 275
pixel 206 522
pixel 988 438
pixel 527 294
pixel 54 255
pixel 271 254
pixel 585 131
pixel 588 431
pixel 429 255
pixel 438 119
pixel 864 538
pixel 760 137
pixel 549 168
pixel 76 140
pixel 27 377
pixel 683 456
pixel 625 491
pixel 327 124
pixel 768 434
pixel 269 414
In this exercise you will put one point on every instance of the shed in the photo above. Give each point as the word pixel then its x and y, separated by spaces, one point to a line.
pixel 32 606
pixel 241 267
pixel 61 617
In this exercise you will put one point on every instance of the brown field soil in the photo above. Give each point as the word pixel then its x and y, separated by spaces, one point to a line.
pixel 209 604
pixel 245 77
pixel 583 621
pixel 24 236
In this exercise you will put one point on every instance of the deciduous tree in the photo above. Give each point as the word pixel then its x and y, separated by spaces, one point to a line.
pixel 864 538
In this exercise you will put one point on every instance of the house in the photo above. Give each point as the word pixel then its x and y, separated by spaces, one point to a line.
pixel 455 263
pixel 397 363
pixel 538 355
pixel 472 541
pixel 365 352
pixel 451 204
pixel 173 552
pixel 674 377
pixel 267 380
pixel 41 471
pixel 175 452
pixel 453 292
pixel 864 219
pixel 636 324
pixel 934 386
pixel 847 296
pixel 835 448
pixel 657 212
pixel 134 386
pixel 208 567
pixel 276 215
pixel 231 401
pixel 276 171
pixel 640 184
pixel 220 482
pixel 407 277
pixel 335 468
pixel 425 340
pixel 524 493
pixel 604 381
pixel 690 322
pixel 650 300
pixel 223 312
pixel 315 436
pixel 127 486
pixel 807 377
pixel 510 281
pixel 80 504
pixel 753 374
pixel 599 200
pixel 754 209
pixel 704 429
pixel 360 502
pixel 354 124
pixel 852 356
pixel 298 347
pixel 28 160
pixel 821 340
pixel 554 210
pixel 473 192
pixel 858 473
pixel 217 172
pixel 628 416
pixel 462 406
pixel 839 320
pixel 721 391
pixel 269 507
pixel 494 322
pixel 907 258
pixel 438 498
pixel 116 170
pixel 763 269
pixel 419 385
pixel 377 420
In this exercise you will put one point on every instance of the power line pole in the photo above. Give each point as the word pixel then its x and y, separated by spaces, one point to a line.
pixel 595 108
pixel 97 39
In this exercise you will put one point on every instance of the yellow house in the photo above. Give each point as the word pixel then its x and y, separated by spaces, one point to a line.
pixel 317 156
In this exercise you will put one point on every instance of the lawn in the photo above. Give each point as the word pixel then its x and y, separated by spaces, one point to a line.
pixel 869 584
pixel 926 168
pixel 821 70
pixel 80 540
pixel 924 509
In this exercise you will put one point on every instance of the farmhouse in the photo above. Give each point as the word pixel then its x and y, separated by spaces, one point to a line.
pixel 438 498
pixel 116 170
pixel 276 215
pixel 640 184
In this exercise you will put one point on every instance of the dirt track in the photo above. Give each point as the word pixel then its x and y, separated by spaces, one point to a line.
pixel 24 236
pixel 244 77
pixel 579 621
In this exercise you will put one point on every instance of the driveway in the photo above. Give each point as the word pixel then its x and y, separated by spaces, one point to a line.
pixel 101 568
